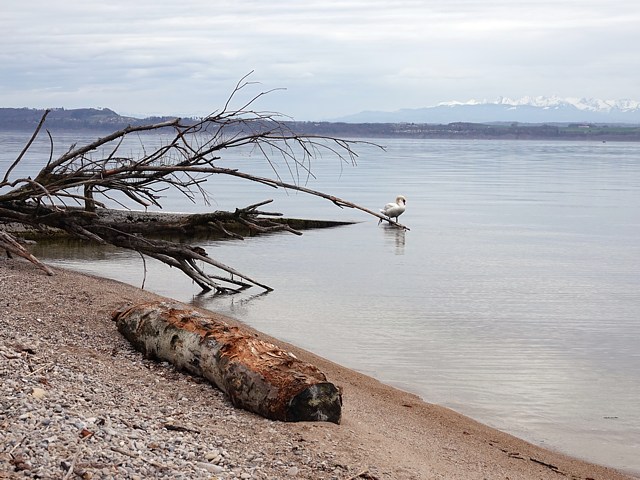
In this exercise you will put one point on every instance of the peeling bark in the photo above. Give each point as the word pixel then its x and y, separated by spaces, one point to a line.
pixel 256 375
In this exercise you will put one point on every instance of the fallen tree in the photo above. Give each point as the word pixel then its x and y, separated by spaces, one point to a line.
pixel 13 246
pixel 72 191
pixel 256 375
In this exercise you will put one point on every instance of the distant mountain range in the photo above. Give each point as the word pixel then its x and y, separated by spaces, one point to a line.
pixel 524 110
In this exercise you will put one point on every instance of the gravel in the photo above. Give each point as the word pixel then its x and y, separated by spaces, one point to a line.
pixel 76 401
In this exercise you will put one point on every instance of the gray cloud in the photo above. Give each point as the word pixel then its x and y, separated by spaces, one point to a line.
pixel 333 57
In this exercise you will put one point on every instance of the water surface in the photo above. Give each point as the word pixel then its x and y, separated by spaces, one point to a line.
pixel 514 298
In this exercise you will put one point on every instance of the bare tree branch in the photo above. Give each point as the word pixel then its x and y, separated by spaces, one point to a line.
pixel 96 174
pixel 11 245
pixel 24 150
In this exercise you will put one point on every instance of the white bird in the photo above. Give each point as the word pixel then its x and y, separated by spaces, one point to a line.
pixel 396 209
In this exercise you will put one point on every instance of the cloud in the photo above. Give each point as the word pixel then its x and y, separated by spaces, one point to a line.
pixel 333 57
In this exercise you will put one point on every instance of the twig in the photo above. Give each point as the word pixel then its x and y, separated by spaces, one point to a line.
pixel 124 452
pixel 17 445
pixel 73 465
pixel 144 266
pixel 179 428
pixel 220 226
pixel 39 369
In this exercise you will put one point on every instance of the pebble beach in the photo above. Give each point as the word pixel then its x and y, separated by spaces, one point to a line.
pixel 77 402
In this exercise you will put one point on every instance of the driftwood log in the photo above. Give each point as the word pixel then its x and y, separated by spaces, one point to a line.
pixel 256 375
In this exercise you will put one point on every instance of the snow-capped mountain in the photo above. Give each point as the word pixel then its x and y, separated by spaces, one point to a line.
pixel 502 109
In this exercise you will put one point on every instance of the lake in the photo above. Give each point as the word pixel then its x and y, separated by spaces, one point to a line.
pixel 514 298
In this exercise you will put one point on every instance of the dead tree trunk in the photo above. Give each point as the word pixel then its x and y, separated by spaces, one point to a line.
pixel 102 172
pixel 256 375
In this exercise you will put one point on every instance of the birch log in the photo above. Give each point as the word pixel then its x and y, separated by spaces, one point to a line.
pixel 256 375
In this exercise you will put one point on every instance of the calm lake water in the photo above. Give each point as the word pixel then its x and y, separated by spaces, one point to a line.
pixel 514 298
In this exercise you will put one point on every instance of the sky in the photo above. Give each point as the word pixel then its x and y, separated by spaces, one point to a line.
pixel 319 60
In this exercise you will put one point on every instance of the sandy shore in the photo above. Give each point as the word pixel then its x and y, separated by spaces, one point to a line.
pixel 78 402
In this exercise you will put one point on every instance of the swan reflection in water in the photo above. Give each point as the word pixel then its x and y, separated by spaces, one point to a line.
pixel 395 237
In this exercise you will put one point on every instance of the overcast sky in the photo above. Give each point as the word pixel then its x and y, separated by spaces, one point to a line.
pixel 332 58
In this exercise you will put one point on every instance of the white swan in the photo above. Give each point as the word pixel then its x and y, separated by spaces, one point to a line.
pixel 396 209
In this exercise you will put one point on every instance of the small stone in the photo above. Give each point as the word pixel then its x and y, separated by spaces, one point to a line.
pixel 213 454
pixel 293 471
pixel 211 468
pixel 38 393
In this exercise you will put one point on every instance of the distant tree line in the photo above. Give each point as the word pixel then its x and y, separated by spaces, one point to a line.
pixel 106 119
pixel 78 118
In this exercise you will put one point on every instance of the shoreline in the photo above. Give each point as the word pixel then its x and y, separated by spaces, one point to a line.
pixel 65 370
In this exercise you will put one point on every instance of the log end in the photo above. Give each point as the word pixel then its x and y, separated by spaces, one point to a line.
pixel 321 402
